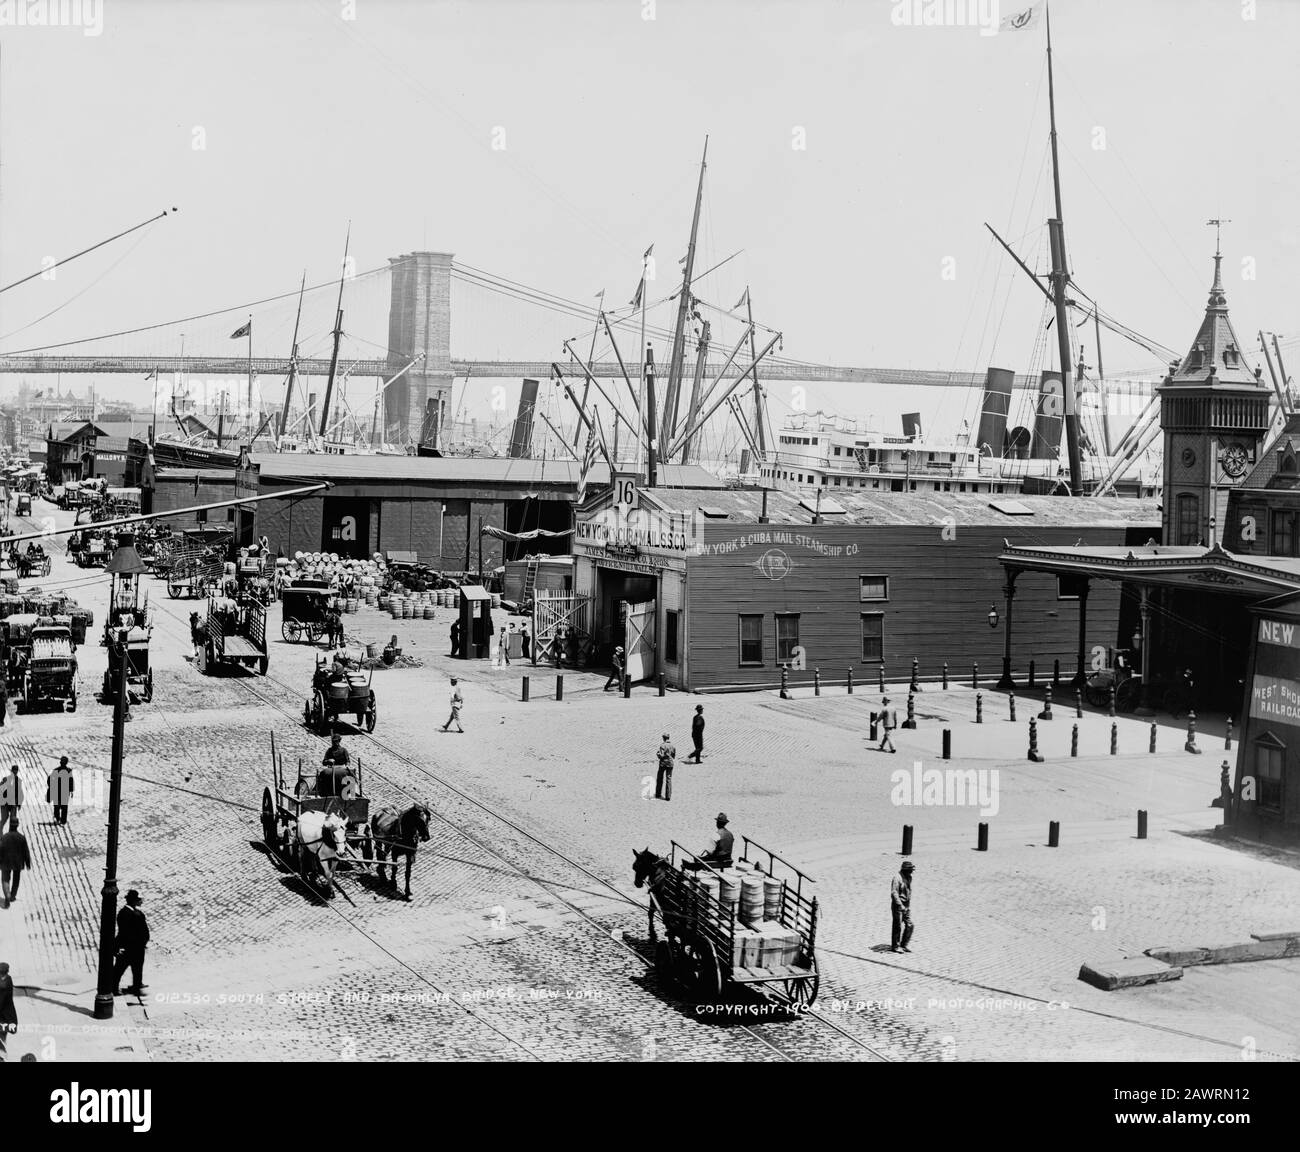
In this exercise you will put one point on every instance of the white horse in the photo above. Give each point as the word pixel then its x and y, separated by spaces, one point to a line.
pixel 324 838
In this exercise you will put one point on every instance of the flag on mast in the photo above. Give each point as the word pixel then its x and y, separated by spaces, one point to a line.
pixel 640 288
pixel 1020 21
pixel 588 459
pixel 743 300
pixel 648 251
pixel 152 375
pixel 245 330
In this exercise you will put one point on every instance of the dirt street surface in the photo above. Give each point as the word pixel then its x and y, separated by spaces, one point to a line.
pixel 525 938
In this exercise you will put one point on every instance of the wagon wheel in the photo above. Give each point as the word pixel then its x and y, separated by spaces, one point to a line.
pixel 1128 695
pixel 291 630
pixel 315 630
pixel 319 714
pixel 148 686
pixel 1096 695
pixel 802 993
pixel 372 713
pixel 306 715
pixel 175 589
pixel 664 964
pixel 270 824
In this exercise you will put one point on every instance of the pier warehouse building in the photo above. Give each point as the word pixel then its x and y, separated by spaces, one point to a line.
pixel 721 590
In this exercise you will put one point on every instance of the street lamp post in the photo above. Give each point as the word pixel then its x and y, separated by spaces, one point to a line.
pixel 108 906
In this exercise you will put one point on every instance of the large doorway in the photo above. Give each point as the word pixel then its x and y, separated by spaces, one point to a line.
pixel 613 589
pixel 345 526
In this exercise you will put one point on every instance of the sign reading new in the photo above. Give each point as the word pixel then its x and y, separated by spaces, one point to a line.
pixel 1279 632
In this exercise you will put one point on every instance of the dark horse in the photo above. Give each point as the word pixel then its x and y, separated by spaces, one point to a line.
pixel 398 834
pixel 652 870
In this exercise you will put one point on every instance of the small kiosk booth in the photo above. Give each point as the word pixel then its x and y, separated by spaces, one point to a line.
pixel 475 622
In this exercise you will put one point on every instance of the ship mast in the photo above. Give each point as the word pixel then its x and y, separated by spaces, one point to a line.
pixel 293 360
pixel 1060 278
pixel 338 335
pixel 683 312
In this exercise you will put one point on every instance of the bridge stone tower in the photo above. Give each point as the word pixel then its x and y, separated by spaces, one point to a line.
pixel 419 321
pixel 1214 411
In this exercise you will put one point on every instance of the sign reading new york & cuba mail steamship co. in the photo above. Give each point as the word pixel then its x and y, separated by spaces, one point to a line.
pixel 639 538
pixel 1274 697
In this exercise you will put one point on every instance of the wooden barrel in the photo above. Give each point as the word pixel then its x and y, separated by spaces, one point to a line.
pixel 729 893
pixel 772 897
pixel 372 651
pixel 709 884
pixel 428 611
pixel 751 899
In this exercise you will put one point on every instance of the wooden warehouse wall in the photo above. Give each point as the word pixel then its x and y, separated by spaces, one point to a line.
pixel 940 591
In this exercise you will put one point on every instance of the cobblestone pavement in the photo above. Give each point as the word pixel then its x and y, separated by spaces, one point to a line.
pixel 510 951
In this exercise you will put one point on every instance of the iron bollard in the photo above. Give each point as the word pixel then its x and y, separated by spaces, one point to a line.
pixel 661 683
pixel 975 675
pixel 881 671
pixel 982 844
pixel 1074 740
pixel 1011 702
pixel 1054 834
pixel 1035 756
pixel 1142 823
pixel 910 722
pixel 785 689
pixel 1056 673
pixel 817 681
pixel 1114 738
pixel 627 687
pixel 874 734
pixel 1110 706
pixel 907 840
pixel 1190 746
pixel 1153 737
pixel 1046 713
pixel 559 687
pixel 1031 674
pixel 947 743
pixel 850 681
pixel 945 675
pixel 1078 703
pixel 524 697
pixel 915 686
pixel 1227 736
pixel 979 707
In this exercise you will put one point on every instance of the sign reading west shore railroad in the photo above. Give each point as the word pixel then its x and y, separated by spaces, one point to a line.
pixel 1275 698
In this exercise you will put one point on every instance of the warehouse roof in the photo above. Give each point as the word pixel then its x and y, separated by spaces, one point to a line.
pixel 487 470
pixel 744 506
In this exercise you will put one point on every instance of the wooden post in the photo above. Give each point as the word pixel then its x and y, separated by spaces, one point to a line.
pixel 1074 740
pixel 1190 746
pixel 1114 738
pixel 979 707
pixel 1035 756
pixel 945 675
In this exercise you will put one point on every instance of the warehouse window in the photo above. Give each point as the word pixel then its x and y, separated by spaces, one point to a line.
pixel 873 637
pixel 1269 754
pixel 873 588
pixel 751 640
pixel 671 621
pixel 787 636
pixel 1283 537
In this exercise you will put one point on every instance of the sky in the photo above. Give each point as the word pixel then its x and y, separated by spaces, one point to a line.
pixel 853 160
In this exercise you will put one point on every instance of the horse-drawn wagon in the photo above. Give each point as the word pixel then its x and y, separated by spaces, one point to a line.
pixel 192 571
pixel 738 927
pixel 321 824
pixel 233 634
pixel 306 604
pixel 139 676
pixel 41 666
pixel 339 689
pixel 32 561
pixel 96 548
pixel 23 504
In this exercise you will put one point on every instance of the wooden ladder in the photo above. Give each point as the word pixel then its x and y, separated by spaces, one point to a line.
pixel 530 579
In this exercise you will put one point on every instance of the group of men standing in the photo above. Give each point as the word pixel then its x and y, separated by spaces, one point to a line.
pixel 667 755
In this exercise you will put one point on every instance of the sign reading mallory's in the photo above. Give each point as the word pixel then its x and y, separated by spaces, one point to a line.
pixel 1275 698
pixel 1279 632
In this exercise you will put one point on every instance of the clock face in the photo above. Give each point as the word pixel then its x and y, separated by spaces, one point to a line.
pixel 1235 460
pixel 1189 457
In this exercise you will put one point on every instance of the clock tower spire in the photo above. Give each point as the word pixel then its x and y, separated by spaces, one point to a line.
pixel 1214 411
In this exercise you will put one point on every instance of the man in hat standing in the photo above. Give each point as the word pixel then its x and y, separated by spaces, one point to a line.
pixel 697 735
pixel 14 857
pixel 667 756
pixel 132 937
pixel 58 790
pixel 886 726
pixel 11 797
pixel 900 907
pixel 616 670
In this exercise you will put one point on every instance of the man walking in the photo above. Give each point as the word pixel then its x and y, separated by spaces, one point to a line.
pixel 455 638
pixel 886 726
pixel 457 702
pixel 697 735
pixel 664 779
pixel 14 857
pixel 11 797
pixel 132 937
pixel 8 1014
pixel 616 670
pixel 900 907
pixel 58 790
